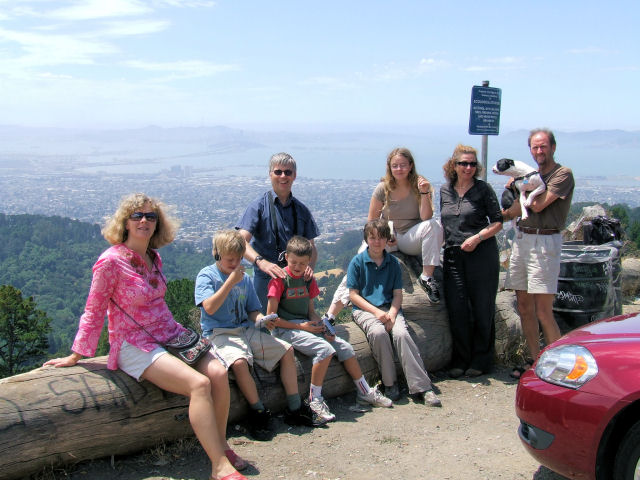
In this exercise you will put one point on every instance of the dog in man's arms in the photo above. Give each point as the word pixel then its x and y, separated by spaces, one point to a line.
pixel 525 179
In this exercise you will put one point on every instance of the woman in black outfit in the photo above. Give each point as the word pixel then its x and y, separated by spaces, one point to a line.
pixel 471 217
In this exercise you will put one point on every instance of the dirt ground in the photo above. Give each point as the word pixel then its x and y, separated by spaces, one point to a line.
pixel 473 436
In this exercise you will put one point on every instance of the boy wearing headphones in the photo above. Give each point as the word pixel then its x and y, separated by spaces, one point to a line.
pixel 229 310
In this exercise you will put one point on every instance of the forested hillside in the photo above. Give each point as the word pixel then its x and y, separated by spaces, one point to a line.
pixel 50 258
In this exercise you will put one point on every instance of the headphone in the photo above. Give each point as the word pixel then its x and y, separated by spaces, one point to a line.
pixel 216 255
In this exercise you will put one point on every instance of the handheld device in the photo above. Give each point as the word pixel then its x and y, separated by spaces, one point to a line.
pixel 263 321
pixel 328 326
pixel 393 235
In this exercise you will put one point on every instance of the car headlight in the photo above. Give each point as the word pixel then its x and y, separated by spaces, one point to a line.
pixel 568 365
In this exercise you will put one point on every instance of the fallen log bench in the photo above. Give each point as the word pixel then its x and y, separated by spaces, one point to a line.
pixel 56 416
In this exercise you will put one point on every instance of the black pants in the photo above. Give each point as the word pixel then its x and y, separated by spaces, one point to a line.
pixel 470 288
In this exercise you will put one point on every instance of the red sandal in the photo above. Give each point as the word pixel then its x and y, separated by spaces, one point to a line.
pixel 233 476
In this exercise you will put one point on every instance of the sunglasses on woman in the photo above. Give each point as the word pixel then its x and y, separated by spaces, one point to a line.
pixel 467 164
pixel 150 216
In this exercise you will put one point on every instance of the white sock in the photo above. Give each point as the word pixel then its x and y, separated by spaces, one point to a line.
pixel 424 277
pixel 315 391
pixel 362 385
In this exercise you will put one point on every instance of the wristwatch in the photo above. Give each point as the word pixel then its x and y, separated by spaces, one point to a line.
pixel 255 260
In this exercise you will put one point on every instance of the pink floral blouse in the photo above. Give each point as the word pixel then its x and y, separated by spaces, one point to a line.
pixel 121 275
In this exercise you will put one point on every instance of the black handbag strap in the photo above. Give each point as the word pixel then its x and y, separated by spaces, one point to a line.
pixel 153 256
pixel 134 321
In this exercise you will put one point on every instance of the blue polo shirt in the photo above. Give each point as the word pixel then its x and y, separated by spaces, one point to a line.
pixel 292 218
pixel 375 283
pixel 234 312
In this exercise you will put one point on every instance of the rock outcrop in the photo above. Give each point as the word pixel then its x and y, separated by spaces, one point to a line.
pixel 631 278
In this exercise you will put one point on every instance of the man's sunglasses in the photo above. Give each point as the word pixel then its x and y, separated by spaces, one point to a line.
pixel 287 173
pixel 150 216
pixel 467 164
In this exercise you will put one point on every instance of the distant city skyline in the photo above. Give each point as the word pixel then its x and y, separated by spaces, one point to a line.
pixel 331 65
pixel 321 155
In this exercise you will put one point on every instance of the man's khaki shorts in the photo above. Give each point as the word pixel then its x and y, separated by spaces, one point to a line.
pixel 535 263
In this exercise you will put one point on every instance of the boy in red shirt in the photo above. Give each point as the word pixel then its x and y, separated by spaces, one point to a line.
pixel 298 324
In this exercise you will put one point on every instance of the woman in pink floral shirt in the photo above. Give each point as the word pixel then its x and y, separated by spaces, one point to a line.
pixel 128 284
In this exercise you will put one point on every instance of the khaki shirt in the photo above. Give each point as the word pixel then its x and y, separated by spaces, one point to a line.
pixel 404 213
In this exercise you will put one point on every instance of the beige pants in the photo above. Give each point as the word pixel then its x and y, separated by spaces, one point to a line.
pixel 408 354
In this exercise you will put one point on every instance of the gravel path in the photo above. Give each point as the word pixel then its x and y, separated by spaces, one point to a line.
pixel 473 436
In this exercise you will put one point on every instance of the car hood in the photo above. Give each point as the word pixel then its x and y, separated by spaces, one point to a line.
pixel 623 327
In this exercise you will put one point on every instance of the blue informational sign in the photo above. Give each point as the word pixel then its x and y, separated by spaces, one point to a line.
pixel 484 118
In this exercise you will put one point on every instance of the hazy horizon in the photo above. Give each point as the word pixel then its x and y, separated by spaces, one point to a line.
pixel 337 154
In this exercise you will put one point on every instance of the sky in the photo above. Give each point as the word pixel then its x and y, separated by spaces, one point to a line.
pixel 569 65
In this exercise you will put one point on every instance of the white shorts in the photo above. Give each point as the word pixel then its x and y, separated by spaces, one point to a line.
pixel 134 361
pixel 535 263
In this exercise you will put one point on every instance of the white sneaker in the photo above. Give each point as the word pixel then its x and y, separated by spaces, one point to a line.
pixel 374 397
pixel 321 410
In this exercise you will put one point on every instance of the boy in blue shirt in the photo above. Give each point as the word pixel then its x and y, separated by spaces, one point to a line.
pixel 374 279
pixel 229 310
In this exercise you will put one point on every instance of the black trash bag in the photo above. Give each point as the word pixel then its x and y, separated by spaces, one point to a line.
pixel 603 230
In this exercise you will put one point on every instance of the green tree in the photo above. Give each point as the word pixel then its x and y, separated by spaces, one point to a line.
pixel 621 212
pixel 23 332
pixel 180 300
pixel 634 234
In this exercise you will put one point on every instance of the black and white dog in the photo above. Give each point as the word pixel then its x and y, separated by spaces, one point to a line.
pixel 525 179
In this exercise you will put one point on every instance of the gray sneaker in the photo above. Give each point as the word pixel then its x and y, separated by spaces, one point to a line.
pixel 430 286
pixel 426 398
pixel 321 411
pixel 392 392
pixel 374 397
pixel 431 399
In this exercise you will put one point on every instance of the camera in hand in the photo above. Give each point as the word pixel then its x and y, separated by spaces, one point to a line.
pixel 328 326
pixel 262 322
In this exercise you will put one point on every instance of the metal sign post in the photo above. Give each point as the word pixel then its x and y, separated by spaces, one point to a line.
pixel 484 118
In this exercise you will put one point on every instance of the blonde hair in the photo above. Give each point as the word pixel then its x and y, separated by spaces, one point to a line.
pixel 389 182
pixel 449 167
pixel 115 230
pixel 229 242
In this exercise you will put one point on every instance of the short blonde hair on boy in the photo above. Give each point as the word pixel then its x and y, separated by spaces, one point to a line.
pixel 229 242
pixel 299 246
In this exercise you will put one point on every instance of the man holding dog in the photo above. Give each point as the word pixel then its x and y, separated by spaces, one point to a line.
pixel 535 257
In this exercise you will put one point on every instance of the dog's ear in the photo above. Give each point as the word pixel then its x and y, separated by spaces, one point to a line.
pixel 504 164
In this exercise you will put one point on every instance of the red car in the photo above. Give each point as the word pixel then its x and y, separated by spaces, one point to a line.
pixel 579 406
